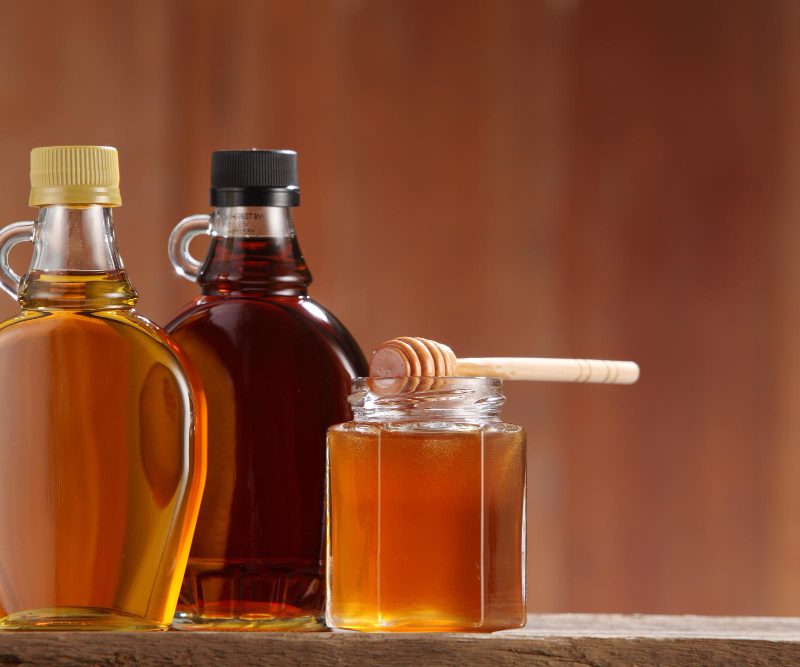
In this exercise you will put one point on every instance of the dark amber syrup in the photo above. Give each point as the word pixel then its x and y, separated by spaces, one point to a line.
pixel 277 369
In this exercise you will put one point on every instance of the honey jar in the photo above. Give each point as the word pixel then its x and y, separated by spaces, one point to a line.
pixel 426 509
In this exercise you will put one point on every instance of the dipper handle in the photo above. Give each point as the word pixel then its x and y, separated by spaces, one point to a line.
pixel 541 369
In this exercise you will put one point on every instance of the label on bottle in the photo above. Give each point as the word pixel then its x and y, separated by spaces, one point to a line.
pixel 251 221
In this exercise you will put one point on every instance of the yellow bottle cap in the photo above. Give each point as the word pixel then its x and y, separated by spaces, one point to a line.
pixel 75 175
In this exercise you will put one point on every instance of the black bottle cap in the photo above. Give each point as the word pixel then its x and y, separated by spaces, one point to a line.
pixel 254 178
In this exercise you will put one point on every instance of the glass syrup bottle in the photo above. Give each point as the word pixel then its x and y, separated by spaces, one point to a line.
pixel 277 368
pixel 101 432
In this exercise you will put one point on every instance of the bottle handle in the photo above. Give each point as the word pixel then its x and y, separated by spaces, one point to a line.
pixel 184 264
pixel 10 235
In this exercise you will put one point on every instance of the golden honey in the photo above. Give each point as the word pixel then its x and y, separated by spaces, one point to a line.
pixel 426 515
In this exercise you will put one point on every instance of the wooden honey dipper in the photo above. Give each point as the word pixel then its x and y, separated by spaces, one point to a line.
pixel 419 357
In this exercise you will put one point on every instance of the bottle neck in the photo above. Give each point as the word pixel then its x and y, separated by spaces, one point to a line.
pixel 75 262
pixel 254 252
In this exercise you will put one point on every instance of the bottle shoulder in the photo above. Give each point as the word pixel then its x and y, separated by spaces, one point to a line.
pixel 287 312
pixel 106 331
pixel 267 323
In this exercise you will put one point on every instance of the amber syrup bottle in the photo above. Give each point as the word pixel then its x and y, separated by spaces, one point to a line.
pixel 102 437
pixel 277 368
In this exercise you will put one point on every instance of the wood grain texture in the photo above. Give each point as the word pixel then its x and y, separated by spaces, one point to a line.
pixel 601 178
pixel 574 640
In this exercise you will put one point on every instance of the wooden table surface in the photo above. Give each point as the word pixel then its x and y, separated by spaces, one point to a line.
pixel 551 639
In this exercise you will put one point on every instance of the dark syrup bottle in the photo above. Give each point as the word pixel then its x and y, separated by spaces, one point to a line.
pixel 276 367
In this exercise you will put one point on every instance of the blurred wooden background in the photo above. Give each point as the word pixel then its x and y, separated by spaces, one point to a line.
pixel 597 178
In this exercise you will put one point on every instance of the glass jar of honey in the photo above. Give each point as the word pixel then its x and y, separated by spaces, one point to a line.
pixel 426 509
